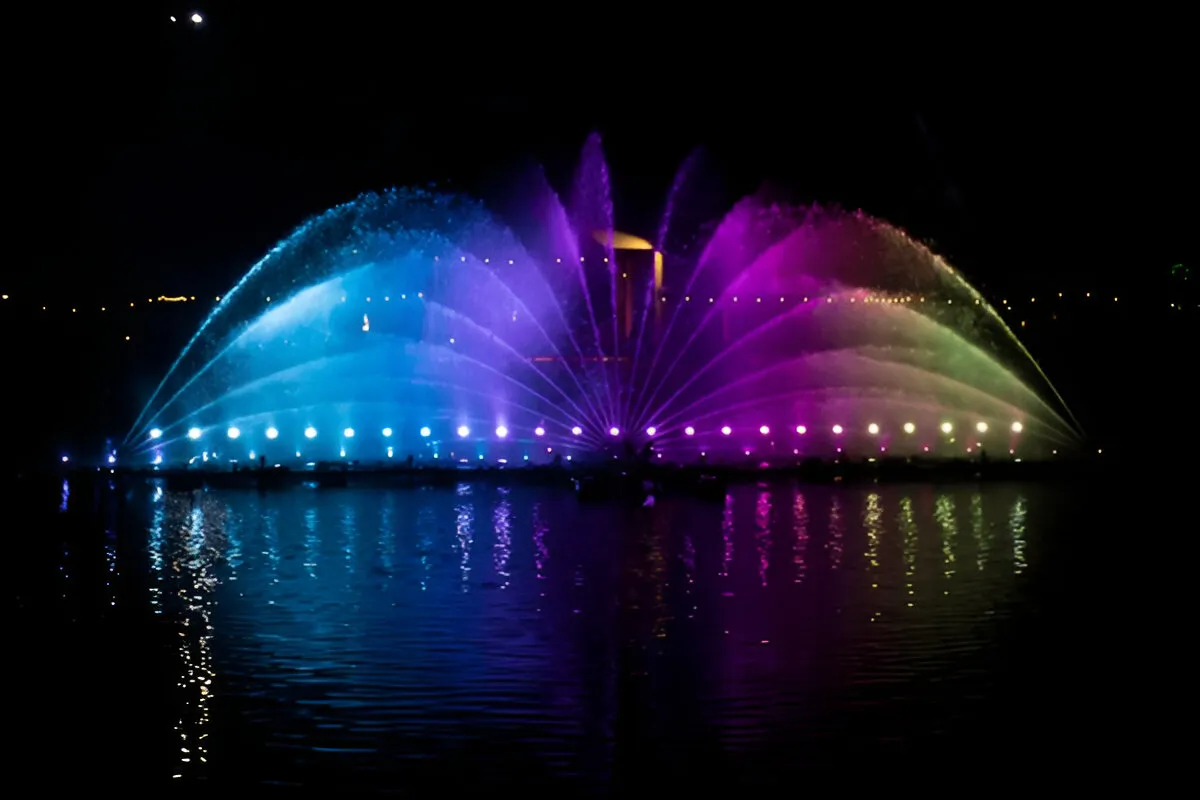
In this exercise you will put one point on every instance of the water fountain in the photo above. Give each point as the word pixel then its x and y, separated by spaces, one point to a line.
pixel 418 323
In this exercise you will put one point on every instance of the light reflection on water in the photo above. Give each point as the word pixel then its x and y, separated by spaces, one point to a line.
pixel 353 633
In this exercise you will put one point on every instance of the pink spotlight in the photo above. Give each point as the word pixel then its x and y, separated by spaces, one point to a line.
pixel 539 431
pixel 800 429
pixel 689 431
pixel 837 430
pixel 764 430
pixel 726 430
pixel 614 431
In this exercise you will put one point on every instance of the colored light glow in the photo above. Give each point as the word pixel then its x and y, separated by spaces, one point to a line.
pixel 342 452
pixel 387 432
pixel 614 431
pixel 112 459
pixel 981 427
pixel 651 430
pixel 66 459
pixel 910 428
pixel 389 452
pixel 872 429
pixel 576 430
pixel 726 430
pixel 501 431
pixel 194 433
pixel 425 432
pixel 800 429
pixel 764 430
pixel 233 432
pixel 310 432
pixel 272 433
pixel 837 430
pixel 689 431
pixel 348 433
pixel 155 433
pixel 539 431
pixel 947 427
pixel 463 431
pixel 1017 427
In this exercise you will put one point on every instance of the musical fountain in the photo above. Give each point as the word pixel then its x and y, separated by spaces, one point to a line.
pixel 417 323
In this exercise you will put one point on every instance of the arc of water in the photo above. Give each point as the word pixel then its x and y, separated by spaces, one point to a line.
pixel 255 385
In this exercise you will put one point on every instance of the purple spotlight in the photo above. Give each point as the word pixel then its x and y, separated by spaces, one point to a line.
pixel 726 430
pixel 689 431
pixel 539 431
pixel 614 431
pixel 764 430
pixel 800 429
pixel 651 430
pixel 837 430
pixel 576 430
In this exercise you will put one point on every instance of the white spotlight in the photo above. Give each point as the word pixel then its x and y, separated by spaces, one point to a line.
pixel 764 430
pixel 197 19
pixel 910 428
pixel 501 431
pixel 837 430
pixel 387 432
pixel 1017 427
pixel 425 432
pixel 310 432
pixel 872 429
pixel 947 427
pixel 981 427
pixel 155 433
pixel 614 431
pixel 539 431
pixel 195 433
pixel 464 431
pixel 689 431
pixel 272 433
pixel 233 432
pixel 576 430
pixel 651 430
pixel 348 433
pixel 800 429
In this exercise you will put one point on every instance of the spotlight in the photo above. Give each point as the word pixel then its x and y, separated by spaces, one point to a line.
pixel 194 433
pixel 689 431
pixel 540 431
pixel 1017 427
pixel 233 432
pixel 425 432
pixel 155 433
pixel 872 429
pixel 342 452
pixel 910 428
pixel 348 433
pixel 614 431
pixel 947 427
pixel 837 430
pixel 800 429
pixel 576 430
pixel 981 427
pixel 764 430
pixel 252 456
pixel 389 452
pixel 197 19
pixel 112 459
pixel 651 430
pixel 272 433
pixel 387 432
pixel 66 459
pixel 501 431
pixel 310 432
pixel 726 430
pixel 464 431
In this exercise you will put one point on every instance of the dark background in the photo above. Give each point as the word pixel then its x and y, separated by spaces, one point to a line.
pixel 157 158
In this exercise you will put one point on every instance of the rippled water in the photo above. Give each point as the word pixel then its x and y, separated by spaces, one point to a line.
pixel 482 635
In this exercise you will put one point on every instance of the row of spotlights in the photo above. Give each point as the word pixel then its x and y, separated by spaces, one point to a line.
pixel 502 431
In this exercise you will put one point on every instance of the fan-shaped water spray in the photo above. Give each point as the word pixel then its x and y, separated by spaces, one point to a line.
pixel 424 323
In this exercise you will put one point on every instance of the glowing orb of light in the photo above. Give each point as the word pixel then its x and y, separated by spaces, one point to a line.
pixel 872 429
pixel 387 432
pixel 800 429
pixel 764 430
pixel 348 433
pixel 947 427
pixel 233 432
pixel 155 433
pixel 576 430
pixel 539 431
pixel 197 19
pixel 837 430
pixel 272 433
pixel 910 428
pixel 981 427
pixel 689 431
pixel 1017 427
pixel 501 431
pixel 425 432
pixel 651 430
pixel 726 430
pixel 310 432
pixel 464 431
pixel 614 431
pixel 194 433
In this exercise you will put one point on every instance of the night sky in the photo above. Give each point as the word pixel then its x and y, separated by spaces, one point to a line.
pixel 166 158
